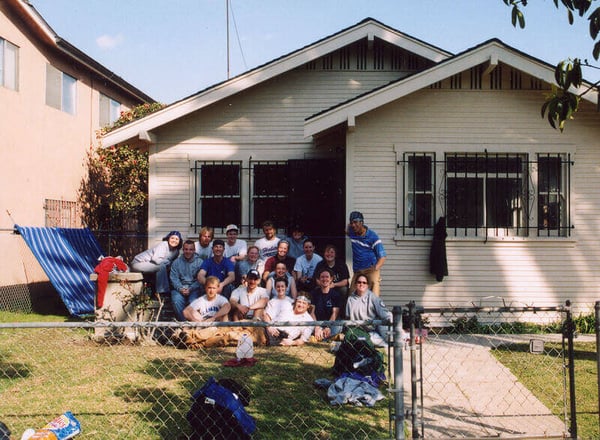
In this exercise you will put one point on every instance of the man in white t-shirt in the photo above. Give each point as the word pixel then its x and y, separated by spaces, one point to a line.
pixel 267 245
pixel 235 248
pixel 249 302
pixel 210 307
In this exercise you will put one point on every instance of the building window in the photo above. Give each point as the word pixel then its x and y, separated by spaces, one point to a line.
pixel 60 90
pixel 553 208
pixel 62 214
pixel 270 190
pixel 9 65
pixel 419 191
pixel 217 193
pixel 487 194
pixel 110 110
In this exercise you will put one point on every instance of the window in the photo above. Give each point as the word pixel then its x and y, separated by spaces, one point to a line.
pixel 110 110
pixel 62 214
pixel 217 193
pixel 60 90
pixel 419 188
pixel 551 195
pixel 487 194
pixel 9 65
pixel 270 192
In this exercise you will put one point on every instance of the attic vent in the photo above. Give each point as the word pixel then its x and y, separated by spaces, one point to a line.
pixel 436 85
pixel 344 55
pixel 378 56
pixel 413 62
pixel 516 79
pixel 456 81
pixel 476 73
pixel 496 78
pixel 312 65
pixel 396 59
pixel 361 56
pixel 535 83
pixel 327 62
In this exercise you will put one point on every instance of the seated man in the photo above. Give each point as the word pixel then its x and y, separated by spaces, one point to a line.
pixel 249 302
pixel 235 248
pixel 304 268
pixel 327 302
pixel 364 305
pixel 184 282
pixel 204 243
pixel 291 335
pixel 220 267
pixel 296 241
pixel 267 245
pixel 210 307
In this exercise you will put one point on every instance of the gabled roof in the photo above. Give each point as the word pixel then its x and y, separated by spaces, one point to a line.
pixel 368 28
pixel 490 52
pixel 36 23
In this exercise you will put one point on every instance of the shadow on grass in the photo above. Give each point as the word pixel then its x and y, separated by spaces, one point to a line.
pixel 284 401
pixel 585 351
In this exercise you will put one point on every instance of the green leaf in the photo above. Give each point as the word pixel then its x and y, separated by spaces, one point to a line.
pixel 596 51
pixel 594 19
pixel 521 20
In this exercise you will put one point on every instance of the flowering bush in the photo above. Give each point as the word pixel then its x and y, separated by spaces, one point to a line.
pixel 131 115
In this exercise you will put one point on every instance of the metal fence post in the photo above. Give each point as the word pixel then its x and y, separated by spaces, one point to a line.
pixel 398 374
pixel 569 330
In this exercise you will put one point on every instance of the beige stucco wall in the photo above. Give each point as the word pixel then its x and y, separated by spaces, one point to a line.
pixel 42 149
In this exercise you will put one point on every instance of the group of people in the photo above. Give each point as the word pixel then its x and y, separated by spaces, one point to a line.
pixel 274 280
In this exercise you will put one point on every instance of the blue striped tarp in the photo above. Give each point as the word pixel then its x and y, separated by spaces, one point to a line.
pixel 68 256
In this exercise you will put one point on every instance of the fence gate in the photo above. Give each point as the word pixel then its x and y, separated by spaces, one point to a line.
pixel 464 366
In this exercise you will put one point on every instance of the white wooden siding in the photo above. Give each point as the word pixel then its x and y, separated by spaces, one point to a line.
pixel 524 272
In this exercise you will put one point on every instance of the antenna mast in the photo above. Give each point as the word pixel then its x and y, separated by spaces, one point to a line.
pixel 227 19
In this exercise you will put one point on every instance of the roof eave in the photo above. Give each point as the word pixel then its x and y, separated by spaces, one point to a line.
pixel 492 53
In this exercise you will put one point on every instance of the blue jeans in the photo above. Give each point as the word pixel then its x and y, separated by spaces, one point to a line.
pixel 180 302
pixel 162 274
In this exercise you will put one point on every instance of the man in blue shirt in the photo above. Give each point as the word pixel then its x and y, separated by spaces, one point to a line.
pixel 368 254
pixel 220 267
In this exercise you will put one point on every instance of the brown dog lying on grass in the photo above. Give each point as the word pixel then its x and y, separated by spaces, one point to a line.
pixel 208 337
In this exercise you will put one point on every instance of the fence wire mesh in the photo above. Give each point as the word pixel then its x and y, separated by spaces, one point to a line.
pixel 469 373
pixel 123 389
pixel 489 372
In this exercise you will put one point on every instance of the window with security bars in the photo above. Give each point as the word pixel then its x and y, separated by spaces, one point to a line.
pixel 217 193
pixel 270 192
pixel 487 194
pixel 62 214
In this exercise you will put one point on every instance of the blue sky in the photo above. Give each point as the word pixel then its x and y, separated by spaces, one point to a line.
pixel 171 49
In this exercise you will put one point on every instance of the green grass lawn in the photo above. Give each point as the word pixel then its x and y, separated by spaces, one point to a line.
pixel 530 371
pixel 143 391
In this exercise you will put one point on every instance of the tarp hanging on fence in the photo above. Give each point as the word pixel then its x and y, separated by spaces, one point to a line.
pixel 68 257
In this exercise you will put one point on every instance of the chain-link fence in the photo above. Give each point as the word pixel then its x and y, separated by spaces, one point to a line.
pixel 471 373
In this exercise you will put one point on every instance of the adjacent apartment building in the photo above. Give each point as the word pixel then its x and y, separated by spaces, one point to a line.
pixel 53 99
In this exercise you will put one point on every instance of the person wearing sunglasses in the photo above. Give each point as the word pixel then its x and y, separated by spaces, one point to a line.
pixel 364 305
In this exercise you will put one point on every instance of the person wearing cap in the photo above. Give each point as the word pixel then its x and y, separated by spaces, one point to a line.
pixel 296 241
pixel 184 282
pixel 249 302
pixel 292 335
pixel 157 260
pixel 204 243
pixel 281 257
pixel 235 249
pixel 368 253
pixel 220 267
pixel 267 245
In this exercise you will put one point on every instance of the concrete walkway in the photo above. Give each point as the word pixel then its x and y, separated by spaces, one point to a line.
pixel 467 393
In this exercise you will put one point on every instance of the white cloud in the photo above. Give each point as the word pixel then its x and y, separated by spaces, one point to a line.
pixel 109 41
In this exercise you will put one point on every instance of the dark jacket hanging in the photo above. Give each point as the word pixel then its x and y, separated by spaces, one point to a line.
pixel 438 264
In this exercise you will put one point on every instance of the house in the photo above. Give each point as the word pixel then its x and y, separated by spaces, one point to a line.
pixel 54 98
pixel 374 120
